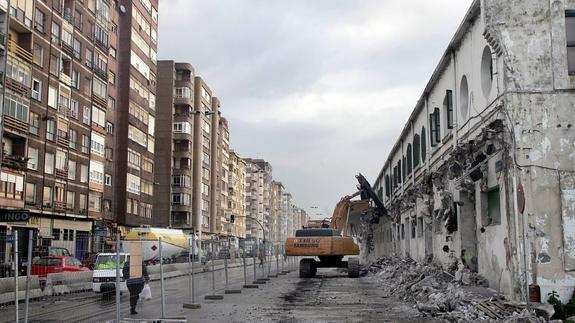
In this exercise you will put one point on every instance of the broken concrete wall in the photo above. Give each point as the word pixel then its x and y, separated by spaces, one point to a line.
pixel 525 99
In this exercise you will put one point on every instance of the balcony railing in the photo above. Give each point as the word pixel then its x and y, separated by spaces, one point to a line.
pixel 18 87
pixel 24 54
pixel 19 163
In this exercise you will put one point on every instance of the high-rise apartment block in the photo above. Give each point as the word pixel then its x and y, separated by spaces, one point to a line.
pixel 237 194
pixel 133 183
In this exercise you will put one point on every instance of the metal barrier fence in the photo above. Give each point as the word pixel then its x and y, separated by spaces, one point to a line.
pixel 38 269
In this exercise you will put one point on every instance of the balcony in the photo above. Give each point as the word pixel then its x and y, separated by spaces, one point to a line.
pixel 63 140
pixel 18 87
pixel 15 124
pixel 67 48
pixel 101 73
pixel 61 174
pixel 24 54
pixel 100 101
pixel 18 163
pixel 2 40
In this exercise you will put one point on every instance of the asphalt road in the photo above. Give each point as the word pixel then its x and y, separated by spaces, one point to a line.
pixel 329 297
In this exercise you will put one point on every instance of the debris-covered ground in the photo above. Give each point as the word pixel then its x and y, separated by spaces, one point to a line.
pixel 460 296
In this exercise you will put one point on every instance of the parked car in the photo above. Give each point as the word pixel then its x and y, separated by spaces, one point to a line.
pixel 44 251
pixel 90 260
pixel 56 264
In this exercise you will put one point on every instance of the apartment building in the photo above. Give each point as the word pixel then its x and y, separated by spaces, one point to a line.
pixel 133 153
pixel 254 199
pixel 483 172
pixel 276 211
pixel 223 225
pixel 287 214
pixel 237 194
pixel 58 117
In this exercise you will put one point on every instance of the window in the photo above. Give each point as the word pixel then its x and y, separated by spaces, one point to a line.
pixel 147 187
pixel 492 209
pixel 147 165
pixel 423 144
pixel 30 193
pixel 448 108
pixel 409 159
pixel 113 52
pixel 77 49
pixel 99 117
pixel 137 136
pixel 108 179
pixel 183 199
pixel 109 127
pixel 70 200
pixel 420 227
pixel 49 163
pixel 387 186
pixel 73 137
pixel 82 202
pixel 109 153
pixel 32 158
pixel 133 184
pixel 55 33
pixel 67 38
pixel 34 123
pixel 413 228
pixel 83 173
pixel 39 20
pixel 74 109
pixel 89 57
pixel 404 168
pixel 16 107
pixel 100 88
pixel 111 77
pixel 183 92
pixel 36 90
pixel 88 86
pixel 47 196
pixel 50 130
pixel 76 79
pixel 96 172
pixel 72 170
pixel 85 144
pixel 416 150
pixel 86 118
pixel 570 37
pixel 52 97
pixel 111 103
pixel 55 65
pixel 61 160
pixel 134 159
pixel 95 201
pixel 38 55
pixel 182 127
pixel 56 234
pixel 434 127
pixel 97 144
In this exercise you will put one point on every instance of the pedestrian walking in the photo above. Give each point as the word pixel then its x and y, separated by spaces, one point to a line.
pixel 135 284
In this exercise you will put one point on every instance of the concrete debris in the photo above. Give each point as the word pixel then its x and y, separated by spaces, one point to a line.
pixel 459 297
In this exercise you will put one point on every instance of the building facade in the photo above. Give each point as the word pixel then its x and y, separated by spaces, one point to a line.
pixel 237 194
pixel 133 153
pixel 483 171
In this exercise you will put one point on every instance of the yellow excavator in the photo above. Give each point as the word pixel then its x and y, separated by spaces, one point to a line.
pixel 327 241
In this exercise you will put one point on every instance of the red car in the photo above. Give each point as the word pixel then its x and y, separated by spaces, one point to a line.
pixel 56 264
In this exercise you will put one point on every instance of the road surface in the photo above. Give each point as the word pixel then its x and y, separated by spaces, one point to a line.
pixel 329 297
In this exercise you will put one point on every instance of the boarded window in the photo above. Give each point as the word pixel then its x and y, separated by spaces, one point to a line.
pixel 492 207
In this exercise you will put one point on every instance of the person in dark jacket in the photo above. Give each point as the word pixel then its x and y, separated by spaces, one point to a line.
pixel 135 284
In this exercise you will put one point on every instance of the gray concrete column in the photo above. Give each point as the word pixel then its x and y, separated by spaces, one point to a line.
pixel 214 164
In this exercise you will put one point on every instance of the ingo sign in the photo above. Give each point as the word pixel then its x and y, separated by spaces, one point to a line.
pixel 14 215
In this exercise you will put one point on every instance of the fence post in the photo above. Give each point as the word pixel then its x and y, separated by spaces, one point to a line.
pixel 15 244
pixel 118 282
pixel 28 274
pixel 213 296
pixel 191 256
pixel 254 250
pixel 162 278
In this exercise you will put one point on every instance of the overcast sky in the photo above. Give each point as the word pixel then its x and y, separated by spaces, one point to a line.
pixel 321 89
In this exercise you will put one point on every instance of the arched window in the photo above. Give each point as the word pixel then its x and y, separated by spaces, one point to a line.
pixel 409 160
pixel 416 150
pixel 423 145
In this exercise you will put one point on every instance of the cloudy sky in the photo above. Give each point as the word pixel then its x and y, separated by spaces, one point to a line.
pixel 320 89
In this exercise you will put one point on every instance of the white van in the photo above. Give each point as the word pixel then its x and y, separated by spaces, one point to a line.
pixel 104 274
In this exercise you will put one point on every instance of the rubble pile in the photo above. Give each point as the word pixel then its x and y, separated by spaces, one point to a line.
pixel 459 296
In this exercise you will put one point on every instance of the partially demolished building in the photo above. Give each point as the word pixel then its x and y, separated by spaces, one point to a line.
pixel 482 175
